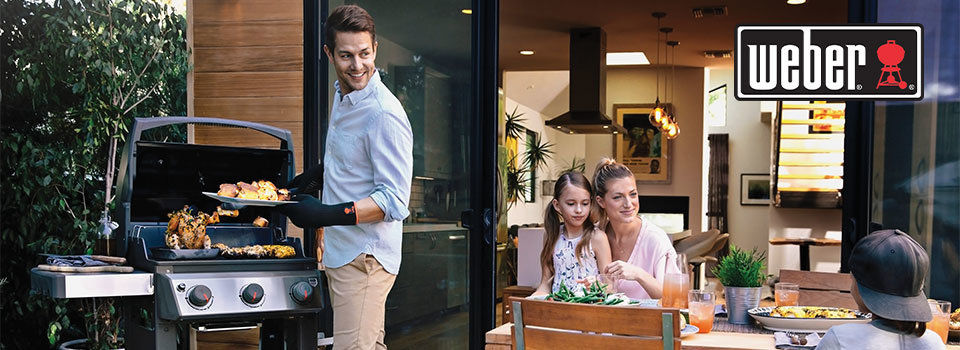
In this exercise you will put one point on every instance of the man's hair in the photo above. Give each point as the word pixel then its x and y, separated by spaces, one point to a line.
pixel 348 18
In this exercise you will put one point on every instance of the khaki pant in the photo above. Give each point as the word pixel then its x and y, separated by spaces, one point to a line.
pixel 358 292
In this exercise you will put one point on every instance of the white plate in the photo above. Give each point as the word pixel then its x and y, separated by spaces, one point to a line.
pixel 688 330
pixel 247 202
pixel 792 324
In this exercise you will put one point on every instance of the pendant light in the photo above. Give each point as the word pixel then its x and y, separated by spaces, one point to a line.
pixel 657 115
pixel 671 127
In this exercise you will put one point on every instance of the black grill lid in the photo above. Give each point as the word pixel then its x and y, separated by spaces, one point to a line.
pixel 156 178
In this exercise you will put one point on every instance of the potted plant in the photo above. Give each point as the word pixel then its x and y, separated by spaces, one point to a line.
pixel 742 274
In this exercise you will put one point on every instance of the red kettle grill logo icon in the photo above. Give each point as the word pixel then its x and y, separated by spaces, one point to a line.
pixel 891 54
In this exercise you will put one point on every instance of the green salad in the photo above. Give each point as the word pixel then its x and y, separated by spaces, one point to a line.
pixel 595 293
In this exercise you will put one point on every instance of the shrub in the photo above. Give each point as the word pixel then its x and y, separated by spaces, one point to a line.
pixel 74 74
pixel 741 268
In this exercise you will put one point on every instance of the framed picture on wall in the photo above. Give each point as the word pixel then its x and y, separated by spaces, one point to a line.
pixel 644 149
pixel 754 189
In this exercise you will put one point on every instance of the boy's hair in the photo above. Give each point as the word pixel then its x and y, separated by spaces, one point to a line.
pixel 551 220
pixel 348 18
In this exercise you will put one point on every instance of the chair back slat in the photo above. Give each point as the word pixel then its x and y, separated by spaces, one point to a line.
pixel 551 339
pixel 821 288
pixel 542 324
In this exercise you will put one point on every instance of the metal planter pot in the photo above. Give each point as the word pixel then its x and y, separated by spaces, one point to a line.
pixel 739 300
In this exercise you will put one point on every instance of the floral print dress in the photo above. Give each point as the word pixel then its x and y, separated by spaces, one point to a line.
pixel 565 266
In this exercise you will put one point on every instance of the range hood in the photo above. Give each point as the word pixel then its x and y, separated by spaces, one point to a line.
pixel 588 86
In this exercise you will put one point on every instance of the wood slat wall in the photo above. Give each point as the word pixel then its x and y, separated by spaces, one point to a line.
pixel 247 58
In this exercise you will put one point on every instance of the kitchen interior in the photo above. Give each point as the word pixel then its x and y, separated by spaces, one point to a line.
pixel 769 173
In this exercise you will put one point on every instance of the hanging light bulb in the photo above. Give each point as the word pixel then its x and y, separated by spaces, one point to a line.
pixel 673 131
pixel 657 115
pixel 673 128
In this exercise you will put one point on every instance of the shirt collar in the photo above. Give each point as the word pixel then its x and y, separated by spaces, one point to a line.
pixel 358 95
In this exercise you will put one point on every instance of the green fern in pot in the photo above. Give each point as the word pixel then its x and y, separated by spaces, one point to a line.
pixel 742 274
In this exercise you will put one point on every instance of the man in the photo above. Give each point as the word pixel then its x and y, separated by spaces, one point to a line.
pixel 367 169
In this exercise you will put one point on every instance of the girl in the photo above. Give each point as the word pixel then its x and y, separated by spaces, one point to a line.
pixel 642 252
pixel 572 247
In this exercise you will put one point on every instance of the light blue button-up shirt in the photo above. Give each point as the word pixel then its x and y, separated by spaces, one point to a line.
pixel 369 153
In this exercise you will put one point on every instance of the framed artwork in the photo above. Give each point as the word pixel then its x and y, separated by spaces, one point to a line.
pixel 754 189
pixel 644 149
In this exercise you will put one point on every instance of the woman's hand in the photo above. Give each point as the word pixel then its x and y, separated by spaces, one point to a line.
pixel 632 272
pixel 625 270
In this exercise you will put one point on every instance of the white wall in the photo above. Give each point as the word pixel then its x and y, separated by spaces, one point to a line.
pixel 753 226
pixel 749 153
pixel 540 96
pixel 638 86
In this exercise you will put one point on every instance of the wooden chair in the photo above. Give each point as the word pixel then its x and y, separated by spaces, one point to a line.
pixel 700 262
pixel 539 324
pixel 821 288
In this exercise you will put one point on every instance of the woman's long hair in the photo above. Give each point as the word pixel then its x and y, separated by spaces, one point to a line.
pixel 607 170
pixel 552 223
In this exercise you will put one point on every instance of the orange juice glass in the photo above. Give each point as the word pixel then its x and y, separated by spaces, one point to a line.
pixel 701 304
pixel 941 318
pixel 675 289
pixel 786 294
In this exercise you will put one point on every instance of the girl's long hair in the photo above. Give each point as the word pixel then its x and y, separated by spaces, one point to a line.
pixel 607 169
pixel 552 223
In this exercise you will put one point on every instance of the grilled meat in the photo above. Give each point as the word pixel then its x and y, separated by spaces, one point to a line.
pixel 277 251
pixel 228 190
pixel 186 230
pixel 260 222
pixel 230 213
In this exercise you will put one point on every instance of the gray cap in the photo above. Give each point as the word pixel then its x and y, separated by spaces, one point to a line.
pixel 889 267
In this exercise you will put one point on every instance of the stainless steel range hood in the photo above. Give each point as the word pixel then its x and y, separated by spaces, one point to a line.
pixel 588 85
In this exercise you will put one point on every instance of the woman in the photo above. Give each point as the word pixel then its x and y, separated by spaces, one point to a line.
pixel 888 269
pixel 642 253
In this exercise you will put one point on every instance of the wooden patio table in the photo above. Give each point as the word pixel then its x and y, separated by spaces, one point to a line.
pixel 805 244
pixel 500 339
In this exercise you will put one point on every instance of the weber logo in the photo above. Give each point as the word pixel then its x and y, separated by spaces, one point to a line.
pixel 850 62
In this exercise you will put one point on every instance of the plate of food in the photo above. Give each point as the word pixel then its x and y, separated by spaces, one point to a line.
pixel 955 324
pixel 256 193
pixel 805 318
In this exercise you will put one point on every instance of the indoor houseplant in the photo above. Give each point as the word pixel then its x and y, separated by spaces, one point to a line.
pixel 742 274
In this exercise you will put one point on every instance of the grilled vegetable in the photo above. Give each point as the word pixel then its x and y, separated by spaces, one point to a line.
pixel 596 293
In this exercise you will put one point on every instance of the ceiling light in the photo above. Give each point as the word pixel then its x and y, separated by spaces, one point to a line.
pixel 626 58
pixel 466 11
pixel 527 52
pixel 796 2
pixel 606 126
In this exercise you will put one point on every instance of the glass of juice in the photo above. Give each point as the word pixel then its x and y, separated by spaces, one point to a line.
pixel 786 294
pixel 701 309
pixel 941 318
pixel 675 289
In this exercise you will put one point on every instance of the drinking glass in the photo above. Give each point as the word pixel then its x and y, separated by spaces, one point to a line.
pixel 941 318
pixel 701 309
pixel 610 281
pixel 786 294
pixel 675 289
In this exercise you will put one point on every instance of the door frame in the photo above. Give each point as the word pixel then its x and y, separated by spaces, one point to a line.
pixel 482 218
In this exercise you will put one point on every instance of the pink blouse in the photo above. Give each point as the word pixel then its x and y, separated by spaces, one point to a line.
pixel 654 254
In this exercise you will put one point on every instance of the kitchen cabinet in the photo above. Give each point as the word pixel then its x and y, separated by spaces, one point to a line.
pixel 433 274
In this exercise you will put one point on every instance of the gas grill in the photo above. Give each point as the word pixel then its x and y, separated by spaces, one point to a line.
pixel 282 296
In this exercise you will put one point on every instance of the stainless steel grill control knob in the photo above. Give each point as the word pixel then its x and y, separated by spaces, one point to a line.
pixel 200 296
pixel 252 294
pixel 301 292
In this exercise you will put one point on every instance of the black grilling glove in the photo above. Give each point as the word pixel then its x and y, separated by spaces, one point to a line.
pixel 310 212
pixel 308 182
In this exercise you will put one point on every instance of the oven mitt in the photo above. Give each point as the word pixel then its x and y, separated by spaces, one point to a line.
pixel 308 182
pixel 310 212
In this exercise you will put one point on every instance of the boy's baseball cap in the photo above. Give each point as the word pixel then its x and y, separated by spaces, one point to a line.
pixel 889 267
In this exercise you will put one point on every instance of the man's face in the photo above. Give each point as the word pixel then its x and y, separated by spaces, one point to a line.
pixel 352 58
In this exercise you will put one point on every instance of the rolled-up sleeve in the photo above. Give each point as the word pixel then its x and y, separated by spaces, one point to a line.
pixel 391 152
